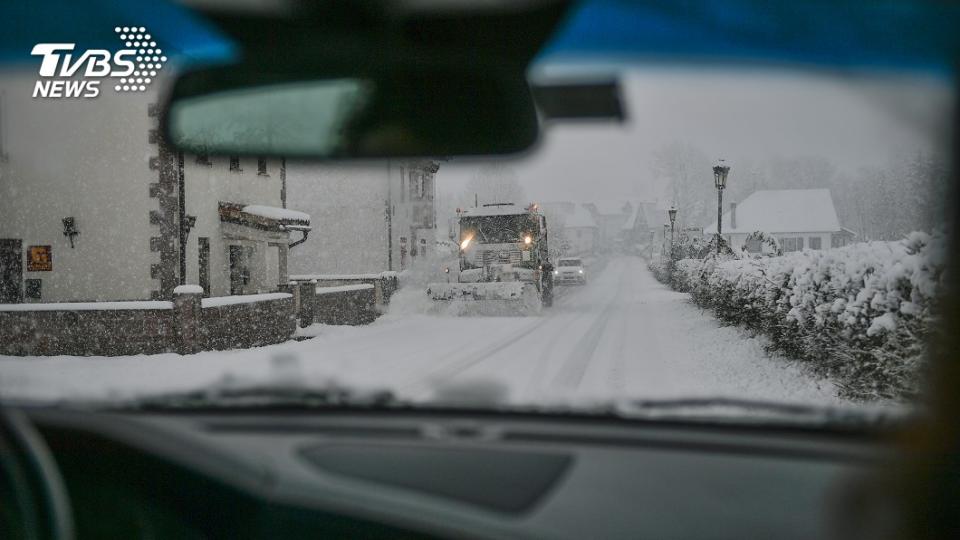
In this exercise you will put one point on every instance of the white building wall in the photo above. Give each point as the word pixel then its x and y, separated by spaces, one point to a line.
pixel 90 159
pixel 209 185
pixel 85 158
pixel 347 206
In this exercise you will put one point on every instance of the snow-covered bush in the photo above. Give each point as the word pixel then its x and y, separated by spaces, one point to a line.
pixel 658 266
pixel 691 249
pixel 861 314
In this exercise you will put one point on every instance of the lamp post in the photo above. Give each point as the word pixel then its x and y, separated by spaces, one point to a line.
pixel 672 212
pixel 720 172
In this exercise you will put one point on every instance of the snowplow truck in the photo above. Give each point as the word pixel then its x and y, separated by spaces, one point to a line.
pixel 504 263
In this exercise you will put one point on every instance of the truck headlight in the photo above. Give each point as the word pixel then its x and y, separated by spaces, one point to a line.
pixel 556 272
pixel 581 270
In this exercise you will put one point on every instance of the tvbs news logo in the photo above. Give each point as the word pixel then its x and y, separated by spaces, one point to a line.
pixel 128 69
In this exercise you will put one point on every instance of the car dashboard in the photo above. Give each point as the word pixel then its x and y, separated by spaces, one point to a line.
pixel 449 475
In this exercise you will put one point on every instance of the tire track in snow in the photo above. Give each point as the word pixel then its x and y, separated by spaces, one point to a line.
pixel 571 372
pixel 421 384
pixel 543 361
pixel 536 382
pixel 434 378
pixel 401 360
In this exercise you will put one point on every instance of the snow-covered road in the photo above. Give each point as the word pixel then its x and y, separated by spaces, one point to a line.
pixel 623 335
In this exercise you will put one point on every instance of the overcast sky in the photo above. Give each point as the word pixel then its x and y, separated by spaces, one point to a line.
pixel 739 116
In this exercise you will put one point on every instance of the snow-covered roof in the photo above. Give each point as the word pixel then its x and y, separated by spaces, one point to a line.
pixel 268 218
pixel 631 220
pixel 635 213
pixel 782 211
pixel 279 214
pixel 494 210
pixel 610 206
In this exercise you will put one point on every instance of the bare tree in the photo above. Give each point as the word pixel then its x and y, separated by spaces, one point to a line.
pixel 689 181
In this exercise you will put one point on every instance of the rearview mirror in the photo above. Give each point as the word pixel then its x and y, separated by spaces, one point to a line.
pixel 342 80
pixel 427 109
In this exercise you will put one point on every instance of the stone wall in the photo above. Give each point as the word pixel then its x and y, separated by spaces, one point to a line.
pixel 188 324
pixel 349 304
pixel 343 299
pixel 87 332
pixel 247 325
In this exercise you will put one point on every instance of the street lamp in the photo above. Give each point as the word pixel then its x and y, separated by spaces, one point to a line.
pixel 720 172
pixel 672 212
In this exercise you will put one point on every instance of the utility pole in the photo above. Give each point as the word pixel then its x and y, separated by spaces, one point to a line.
pixel 283 182
pixel 389 218
pixel 182 211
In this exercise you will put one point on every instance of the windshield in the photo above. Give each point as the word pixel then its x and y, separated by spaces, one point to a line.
pixel 497 229
pixel 750 232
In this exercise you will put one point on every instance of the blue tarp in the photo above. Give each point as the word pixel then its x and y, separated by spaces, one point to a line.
pixel 846 34
pixel 888 34
pixel 183 36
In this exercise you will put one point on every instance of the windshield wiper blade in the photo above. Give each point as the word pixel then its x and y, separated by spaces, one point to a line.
pixel 260 396
pixel 765 412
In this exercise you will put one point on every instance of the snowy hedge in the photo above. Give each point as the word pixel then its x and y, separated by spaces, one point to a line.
pixel 861 314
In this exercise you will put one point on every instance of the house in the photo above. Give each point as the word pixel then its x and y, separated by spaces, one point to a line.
pixel 798 218
pixel 94 207
pixel 627 224
pixel 366 217
pixel 641 230
pixel 621 222
pixel 578 232
pixel 609 215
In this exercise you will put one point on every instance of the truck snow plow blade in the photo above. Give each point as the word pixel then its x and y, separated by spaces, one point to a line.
pixel 492 299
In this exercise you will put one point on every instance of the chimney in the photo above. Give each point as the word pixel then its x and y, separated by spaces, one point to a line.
pixel 733 215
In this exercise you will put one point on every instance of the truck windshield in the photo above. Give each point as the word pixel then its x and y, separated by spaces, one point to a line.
pixel 497 229
pixel 569 262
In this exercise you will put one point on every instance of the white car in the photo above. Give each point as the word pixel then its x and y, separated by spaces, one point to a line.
pixel 570 270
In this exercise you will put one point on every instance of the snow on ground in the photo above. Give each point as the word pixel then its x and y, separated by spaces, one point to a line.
pixel 622 336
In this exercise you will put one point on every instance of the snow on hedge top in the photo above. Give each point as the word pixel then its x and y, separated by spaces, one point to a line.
pixel 783 211
pixel 859 284
pixel 279 214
